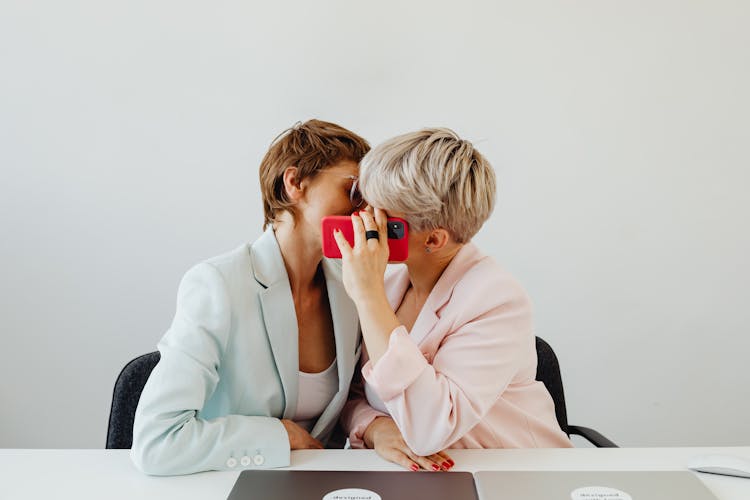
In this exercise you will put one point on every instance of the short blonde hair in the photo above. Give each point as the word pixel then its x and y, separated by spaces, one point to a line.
pixel 435 178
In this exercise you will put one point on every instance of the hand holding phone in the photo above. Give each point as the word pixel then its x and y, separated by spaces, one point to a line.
pixel 398 232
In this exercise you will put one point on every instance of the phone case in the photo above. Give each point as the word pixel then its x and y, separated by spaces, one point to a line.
pixel 398 233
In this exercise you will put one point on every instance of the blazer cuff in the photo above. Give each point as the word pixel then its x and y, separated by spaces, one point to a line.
pixel 270 446
pixel 357 434
pixel 398 368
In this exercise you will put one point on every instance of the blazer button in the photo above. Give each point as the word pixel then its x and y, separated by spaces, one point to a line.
pixel 245 461
pixel 258 460
pixel 232 462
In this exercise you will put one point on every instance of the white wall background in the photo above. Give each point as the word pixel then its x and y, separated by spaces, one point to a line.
pixel 130 134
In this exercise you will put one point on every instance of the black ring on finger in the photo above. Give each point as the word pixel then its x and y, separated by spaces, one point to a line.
pixel 372 235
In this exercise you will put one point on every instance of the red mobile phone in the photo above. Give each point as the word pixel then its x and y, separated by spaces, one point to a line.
pixel 398 231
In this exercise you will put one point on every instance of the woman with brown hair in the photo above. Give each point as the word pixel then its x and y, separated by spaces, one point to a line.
pixel 261 352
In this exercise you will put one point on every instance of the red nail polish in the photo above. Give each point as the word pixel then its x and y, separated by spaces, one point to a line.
pixel 435 467
pixel 446 465
pixel 414 467
pixel 451 462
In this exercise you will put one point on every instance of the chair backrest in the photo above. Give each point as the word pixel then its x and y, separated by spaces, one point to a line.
pixel 548 372
pixel 134 375
pixel 125 396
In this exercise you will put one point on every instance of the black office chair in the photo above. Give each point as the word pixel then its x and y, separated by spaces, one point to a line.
pixel 548 372
pixel 127 392
pixel 133 377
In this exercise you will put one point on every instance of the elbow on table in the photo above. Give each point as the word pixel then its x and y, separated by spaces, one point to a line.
pixel 153 457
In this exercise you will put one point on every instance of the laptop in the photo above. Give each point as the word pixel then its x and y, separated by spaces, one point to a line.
pixel 352 485
pixel 590 485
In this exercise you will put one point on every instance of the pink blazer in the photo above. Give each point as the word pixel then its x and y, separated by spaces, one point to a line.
pixel 464 377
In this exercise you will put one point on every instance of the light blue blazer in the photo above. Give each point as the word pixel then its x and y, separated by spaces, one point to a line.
pixel 229 367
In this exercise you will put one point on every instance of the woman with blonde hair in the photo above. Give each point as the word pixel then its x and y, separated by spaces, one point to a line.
pixel 263 345
pixel 450 357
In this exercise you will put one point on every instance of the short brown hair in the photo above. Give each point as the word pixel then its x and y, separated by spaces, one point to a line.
pixel 311 147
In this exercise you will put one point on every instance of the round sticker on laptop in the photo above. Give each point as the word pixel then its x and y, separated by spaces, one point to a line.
pixel 352 494
pixel 599 493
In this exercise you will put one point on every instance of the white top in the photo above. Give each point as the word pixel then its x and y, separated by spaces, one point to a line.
pixel 315 392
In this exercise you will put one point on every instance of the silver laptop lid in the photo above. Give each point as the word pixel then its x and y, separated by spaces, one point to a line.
pixel 590 485
pixel 352 485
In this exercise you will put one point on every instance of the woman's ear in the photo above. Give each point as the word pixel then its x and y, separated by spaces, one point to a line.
pixel 436 240
pixel 292 186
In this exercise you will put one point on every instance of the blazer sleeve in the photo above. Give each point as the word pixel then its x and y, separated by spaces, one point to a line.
pixel 169 436
pixel 435 404
pixel 357 414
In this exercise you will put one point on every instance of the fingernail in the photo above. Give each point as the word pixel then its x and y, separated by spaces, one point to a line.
pixel 446 465
pixel 450 461
pixel 435 467
pixel 414 467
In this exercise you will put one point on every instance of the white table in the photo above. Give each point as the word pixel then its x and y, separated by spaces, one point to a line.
pixel 109 474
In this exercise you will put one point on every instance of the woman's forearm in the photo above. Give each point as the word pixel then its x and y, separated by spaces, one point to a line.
pixel 377 321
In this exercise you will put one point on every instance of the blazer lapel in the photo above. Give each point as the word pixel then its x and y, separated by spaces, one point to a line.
pixel 347 335
pixel 279 315
pixel 345 323
pixel 396 284
pixel 441 293
pixel 425 322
